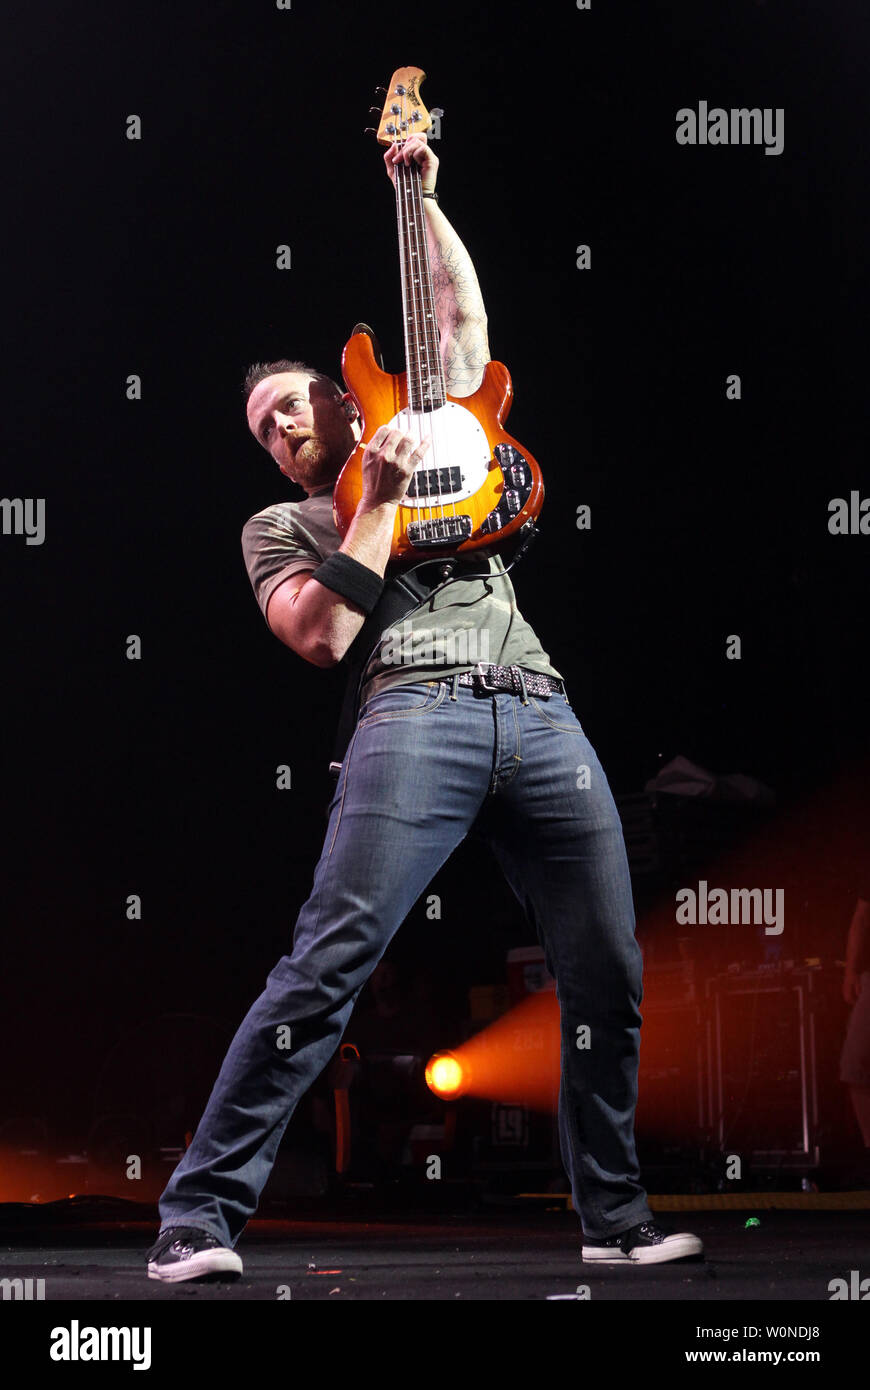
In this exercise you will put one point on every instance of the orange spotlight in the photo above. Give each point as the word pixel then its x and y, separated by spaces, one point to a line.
pixel 446 1076
pixel 514 1060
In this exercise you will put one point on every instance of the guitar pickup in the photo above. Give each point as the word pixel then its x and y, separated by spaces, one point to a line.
pixel 434 482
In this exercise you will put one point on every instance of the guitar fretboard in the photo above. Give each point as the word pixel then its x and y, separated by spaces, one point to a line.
pixel 426 385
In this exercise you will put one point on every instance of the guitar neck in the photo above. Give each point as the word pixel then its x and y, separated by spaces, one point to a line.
pixel 425 374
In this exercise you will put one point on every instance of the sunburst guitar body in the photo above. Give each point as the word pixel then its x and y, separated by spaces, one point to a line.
pixel 476 488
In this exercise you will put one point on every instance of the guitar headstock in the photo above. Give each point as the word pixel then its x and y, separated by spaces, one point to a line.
pixel 404 113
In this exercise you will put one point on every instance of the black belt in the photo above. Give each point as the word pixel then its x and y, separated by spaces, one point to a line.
pixel 489 679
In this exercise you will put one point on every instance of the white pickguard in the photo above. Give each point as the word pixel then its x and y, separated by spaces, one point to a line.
pixel 458 441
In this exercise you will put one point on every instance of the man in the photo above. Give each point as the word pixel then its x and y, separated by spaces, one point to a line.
pixel 436 751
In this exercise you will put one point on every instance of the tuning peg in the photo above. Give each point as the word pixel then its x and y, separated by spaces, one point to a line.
pixel 376 109
pixel 381 89
pixel 370 130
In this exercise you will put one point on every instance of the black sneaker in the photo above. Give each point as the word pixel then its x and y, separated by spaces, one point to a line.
pixel 646 1244
pixel 185 1252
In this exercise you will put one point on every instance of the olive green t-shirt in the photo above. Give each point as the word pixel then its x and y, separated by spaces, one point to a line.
pixel 468 621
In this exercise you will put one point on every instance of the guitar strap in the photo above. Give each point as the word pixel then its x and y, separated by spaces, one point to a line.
pixel 401 594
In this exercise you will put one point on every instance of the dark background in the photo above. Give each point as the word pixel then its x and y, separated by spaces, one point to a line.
pixel 157 257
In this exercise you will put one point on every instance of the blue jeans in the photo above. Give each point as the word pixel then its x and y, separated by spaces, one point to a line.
pixel 427 761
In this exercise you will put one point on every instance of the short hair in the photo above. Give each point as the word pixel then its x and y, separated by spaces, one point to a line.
pixel 259 371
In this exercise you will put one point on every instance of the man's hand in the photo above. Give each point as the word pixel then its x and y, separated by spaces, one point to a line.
pixel 316 622
pixel 416 147
pixel 388 465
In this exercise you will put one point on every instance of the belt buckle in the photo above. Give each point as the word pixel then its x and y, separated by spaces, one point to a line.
pixel 478 675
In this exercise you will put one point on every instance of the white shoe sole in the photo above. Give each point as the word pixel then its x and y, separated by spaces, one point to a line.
pixel 679 1247
pixel 220 1261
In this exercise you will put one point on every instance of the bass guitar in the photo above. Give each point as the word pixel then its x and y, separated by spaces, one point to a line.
pixel 476 488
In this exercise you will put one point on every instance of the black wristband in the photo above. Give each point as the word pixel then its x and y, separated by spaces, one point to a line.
pixel 346 576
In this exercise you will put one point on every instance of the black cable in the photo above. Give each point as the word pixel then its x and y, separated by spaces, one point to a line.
pixel 486 574
pixel 451 579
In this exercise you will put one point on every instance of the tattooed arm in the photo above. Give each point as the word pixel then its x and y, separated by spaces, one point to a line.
pixel 458 300
pixel 458 304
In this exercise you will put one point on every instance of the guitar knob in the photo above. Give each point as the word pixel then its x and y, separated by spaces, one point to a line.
pixel 512 501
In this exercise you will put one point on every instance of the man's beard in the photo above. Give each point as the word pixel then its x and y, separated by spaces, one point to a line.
pixel 315 464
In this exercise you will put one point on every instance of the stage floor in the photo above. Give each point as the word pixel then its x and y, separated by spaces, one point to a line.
pixel 517 1256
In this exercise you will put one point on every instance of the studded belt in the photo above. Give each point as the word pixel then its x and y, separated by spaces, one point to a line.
pixel 490 679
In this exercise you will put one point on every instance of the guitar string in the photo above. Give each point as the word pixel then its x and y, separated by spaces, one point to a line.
pixel 404 423
pixel 416 317
pixel 403 276
pixel 418 254
pixel 409 312
pixel 407 186
pixel 403 279
pixel 432 334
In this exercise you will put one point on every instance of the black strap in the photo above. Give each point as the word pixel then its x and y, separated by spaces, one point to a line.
pixel 402 593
